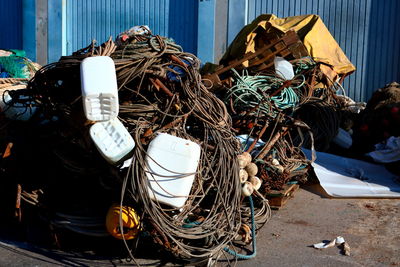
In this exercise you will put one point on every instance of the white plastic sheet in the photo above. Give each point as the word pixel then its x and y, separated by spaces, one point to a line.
pixel 345 177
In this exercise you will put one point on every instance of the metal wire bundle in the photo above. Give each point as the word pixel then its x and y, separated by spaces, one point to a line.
pixel 160 90
pixel 261 107
pixel 293 165
pixel 165 83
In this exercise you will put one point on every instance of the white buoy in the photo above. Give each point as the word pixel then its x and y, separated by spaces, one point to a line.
pixel 242 161
pixel 243 175
pixel 247 189
pixel 256 182
pixel 247 157
pixel 252 169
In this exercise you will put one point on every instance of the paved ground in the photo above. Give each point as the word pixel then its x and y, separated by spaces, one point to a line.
pixel 371 227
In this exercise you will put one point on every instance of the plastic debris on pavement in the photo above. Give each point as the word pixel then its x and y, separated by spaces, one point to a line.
pixel 338 241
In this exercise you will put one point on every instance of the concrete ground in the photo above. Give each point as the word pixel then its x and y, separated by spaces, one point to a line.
pixel 370 226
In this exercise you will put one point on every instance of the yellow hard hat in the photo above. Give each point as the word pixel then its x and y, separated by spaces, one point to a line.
pixel 130 222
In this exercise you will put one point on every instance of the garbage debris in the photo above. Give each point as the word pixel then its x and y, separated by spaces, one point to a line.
pixel 278 115
pixel 154 151
pixel 135 33
pixel 181 106
pixel 379 120
pixel 386 152
pixel 338 241
pixel 286 45
pixel 169 160
pixel 322 245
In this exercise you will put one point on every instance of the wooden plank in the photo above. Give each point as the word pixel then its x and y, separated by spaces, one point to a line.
pixel 278 198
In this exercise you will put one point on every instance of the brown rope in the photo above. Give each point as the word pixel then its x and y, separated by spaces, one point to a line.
pixel 13 80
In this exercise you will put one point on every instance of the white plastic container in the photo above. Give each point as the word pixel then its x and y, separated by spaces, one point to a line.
pixel 283 68
pixel 171 166
pixel 16 111
pixel 99 88
pixel 112 140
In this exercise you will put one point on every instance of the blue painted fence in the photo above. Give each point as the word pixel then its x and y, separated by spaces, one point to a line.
pixel 11 24
pixel 98 19
pixel 368 31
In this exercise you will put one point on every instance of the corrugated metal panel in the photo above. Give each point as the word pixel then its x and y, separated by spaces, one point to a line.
pixel 383 56
pixel 182 26
pixel 98 19
pixel 366 30
pixel 11 24
pixel 29 28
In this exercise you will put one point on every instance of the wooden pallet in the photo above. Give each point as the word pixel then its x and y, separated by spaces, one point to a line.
pixel 263 58
pixel 278 198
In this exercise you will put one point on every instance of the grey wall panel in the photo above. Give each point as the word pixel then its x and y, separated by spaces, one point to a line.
pixel 11 24
pixel 367 31
pixel 98 19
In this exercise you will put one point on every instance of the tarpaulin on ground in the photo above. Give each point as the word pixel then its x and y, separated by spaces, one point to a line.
pixel 311 29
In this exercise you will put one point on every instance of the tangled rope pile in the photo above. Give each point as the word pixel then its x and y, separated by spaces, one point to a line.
pixel 160 91
pixel 273 112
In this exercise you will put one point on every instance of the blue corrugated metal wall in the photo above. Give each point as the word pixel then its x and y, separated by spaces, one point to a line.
pixel 11 24
pixel 98 19
pixel 368 32
pixel 182 26
pixel 383 55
